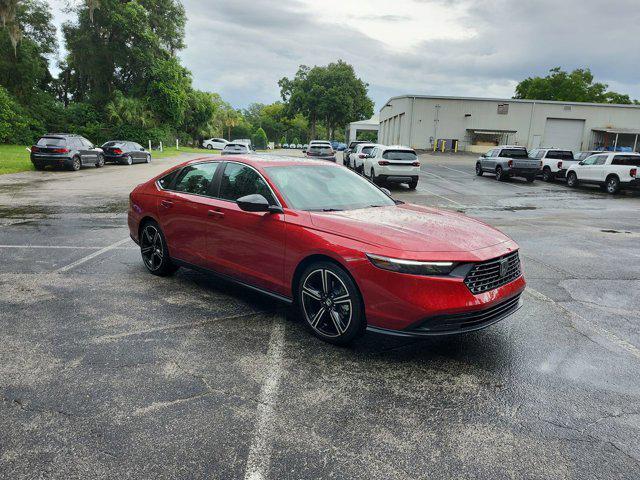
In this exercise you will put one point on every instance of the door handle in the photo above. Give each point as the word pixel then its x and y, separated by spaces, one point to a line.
pixel 215 213
pixel 166 203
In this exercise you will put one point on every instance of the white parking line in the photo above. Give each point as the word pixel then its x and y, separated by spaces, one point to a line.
pixel 259 458
pixel 467 173
pixel 443 197
pixel 603 332
pixel 54 247
pixel 92 256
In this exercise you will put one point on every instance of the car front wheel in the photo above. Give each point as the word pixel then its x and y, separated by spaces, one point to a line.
pixel 479 171
pixel 128 160
pixel 572 180
pixel 330 303
pixel 100 161
pixel 153 248
pixel 209 147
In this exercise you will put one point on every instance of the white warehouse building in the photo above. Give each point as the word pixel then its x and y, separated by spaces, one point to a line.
pixel 479 123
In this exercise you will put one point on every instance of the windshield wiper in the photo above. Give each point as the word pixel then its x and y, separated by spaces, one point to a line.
pixel 332 210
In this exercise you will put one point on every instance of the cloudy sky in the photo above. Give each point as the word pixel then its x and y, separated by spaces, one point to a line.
pixel 240 48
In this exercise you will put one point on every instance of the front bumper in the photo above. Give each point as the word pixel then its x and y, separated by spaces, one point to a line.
pixel 415 305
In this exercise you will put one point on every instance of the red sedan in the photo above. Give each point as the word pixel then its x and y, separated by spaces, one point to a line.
pixel 323 238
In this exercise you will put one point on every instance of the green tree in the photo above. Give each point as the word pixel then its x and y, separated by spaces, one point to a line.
pixel 118 44
pixel 576 86
pixel 259 139
pixel 201 114
pixel 332 95
pixel 168 91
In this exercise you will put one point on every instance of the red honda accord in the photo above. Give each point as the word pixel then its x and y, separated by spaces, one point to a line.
pixel 339 248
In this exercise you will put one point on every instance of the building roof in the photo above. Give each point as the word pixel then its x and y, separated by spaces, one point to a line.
pixel 509 100
pixel 373 122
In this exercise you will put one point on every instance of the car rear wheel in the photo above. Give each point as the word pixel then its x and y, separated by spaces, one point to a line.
pixel 153 248
pixel 479 171
pixel 613 184
pixel 330 303
pixel 100 161
pixel 500 176
pixel 572 180
pixel 547 176
pixel 76 164
pixel 413 184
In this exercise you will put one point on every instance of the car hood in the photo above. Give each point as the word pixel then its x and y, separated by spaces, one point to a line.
pixel 410 228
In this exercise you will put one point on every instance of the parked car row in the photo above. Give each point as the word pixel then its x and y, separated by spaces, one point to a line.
pixel 74 152
pixel 611 171
pixel 292 146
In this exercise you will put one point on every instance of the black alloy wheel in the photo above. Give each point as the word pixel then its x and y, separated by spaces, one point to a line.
pixel 330 303
pixel 479 171
pixel 155 254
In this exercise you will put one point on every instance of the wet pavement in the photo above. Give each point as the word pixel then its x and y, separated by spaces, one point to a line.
pixel 109 372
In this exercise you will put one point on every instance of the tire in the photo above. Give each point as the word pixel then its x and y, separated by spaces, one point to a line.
pixel 153 248
pixel 572 180
pixel 209 147
pixel 38 166
pixel 330 303
pixel 530 178
pixel 100 161
pixel 613 185
pixel 148 159
pixel 128 160
pixel 413 184
pixel 76 164
pixel 547 175
pixel 500 176
pixel 479 171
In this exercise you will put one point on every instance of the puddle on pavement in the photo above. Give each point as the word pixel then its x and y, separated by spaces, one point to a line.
pixel 616 231
pixel 46 211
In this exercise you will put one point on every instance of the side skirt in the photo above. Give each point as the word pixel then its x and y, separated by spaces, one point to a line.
pixel 230 279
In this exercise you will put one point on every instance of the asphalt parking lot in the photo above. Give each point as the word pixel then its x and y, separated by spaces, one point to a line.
pixel 109 372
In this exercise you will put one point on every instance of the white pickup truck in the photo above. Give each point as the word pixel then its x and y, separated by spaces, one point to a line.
pixel 555 162
pixel 612 171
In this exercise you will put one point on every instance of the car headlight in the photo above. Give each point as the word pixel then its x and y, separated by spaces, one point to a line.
pixel 413 267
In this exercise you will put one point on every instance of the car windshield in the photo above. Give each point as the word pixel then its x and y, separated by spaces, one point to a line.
pixel 399 155
pixel 367 150
pixel 235 147
pixel 514 153
pixel 51 141
pixel 325 188
pixel 113 144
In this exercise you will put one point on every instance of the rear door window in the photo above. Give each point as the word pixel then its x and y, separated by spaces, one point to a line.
pixel 627 160
pixel 240 180
pixel 196 179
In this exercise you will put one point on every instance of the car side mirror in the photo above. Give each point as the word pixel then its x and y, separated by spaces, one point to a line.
pixel 580 163
pixel 142 149
pixel 257 203
pixel 484 155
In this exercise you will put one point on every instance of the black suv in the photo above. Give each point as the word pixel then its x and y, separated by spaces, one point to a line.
pixel 65 150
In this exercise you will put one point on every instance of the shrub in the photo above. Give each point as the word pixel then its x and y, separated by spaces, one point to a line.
pixel 259 139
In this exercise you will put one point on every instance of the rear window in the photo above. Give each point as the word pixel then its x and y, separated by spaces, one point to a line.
pixel 52 141
pixel 367 150
pixel 399 155
pixel 113 144
pixel 560 155
pixel 628 160
pixel 514 153
pixel 235 147
pixel 320 150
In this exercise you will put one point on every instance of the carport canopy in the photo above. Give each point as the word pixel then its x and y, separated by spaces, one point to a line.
pixel 497 136
pixel 634 132
pixel 371 125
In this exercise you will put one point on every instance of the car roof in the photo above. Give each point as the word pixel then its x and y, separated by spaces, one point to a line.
pixel 260 161
pixel 397 147
pixel 512 146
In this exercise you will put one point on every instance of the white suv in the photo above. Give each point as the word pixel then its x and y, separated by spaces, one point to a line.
pixel 610 170
pixel 359 153
pixel 393 164
pixel 215 144
pixel 555 162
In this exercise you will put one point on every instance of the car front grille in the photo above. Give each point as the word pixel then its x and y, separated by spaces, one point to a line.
pixel 494 273
pixel 468 321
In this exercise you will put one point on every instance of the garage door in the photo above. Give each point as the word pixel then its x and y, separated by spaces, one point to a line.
pixel 563 133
